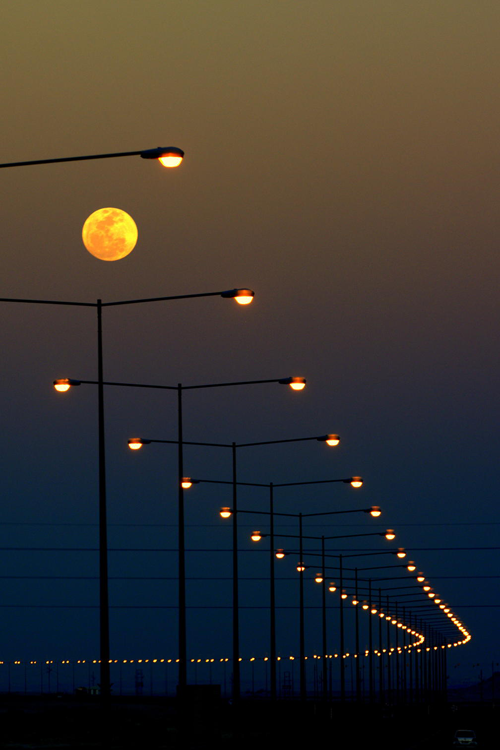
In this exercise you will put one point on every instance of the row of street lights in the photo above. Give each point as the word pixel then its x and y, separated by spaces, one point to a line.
pixel 172 157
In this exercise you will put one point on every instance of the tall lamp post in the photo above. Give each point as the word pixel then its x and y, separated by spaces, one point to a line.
pixel 242 296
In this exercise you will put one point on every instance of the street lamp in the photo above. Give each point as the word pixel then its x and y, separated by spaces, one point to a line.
pixel 168 156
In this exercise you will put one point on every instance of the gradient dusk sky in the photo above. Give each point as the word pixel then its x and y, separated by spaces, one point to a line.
pixel 342 160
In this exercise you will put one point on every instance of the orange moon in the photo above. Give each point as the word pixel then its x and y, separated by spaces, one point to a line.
pixel 110 234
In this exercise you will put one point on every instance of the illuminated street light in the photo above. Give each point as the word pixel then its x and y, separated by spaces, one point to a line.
pixel 331 439
pixel 296 384
pixel 168 156
pixel 64 384
pixel 241 296
pixel 136 443
pixel 225 512
pixel 375 511
pixel 356 482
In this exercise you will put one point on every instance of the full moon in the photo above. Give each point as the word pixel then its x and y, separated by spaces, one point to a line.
pixel 109 234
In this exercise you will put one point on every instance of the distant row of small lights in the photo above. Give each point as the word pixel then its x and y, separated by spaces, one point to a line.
pixel 411 567
pixel 98 661
pixel 375 511
pixel 443 606
pixel 376 652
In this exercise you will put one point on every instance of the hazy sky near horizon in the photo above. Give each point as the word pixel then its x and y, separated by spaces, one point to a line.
pixel 342 160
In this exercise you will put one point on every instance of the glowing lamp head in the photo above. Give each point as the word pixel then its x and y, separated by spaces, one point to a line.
pixel 297 384
pixel 168 156
pixel 301 567
pixel 420 578
pixel 375 511
pixel 356 482
pixel 343 595
pixel 330 439
pixel 256 536
pixel 426 587
pixel 135 444
pixel 390 535
pixel 355 601
pixel 172 159
pixel 318 578
pixel 64 384
pixel 242 296
pixel 186 483
pixel 332 587
pixel 280 554
pixel 226 513
pixel 401 553
pixel 365 605
pixel 411 567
